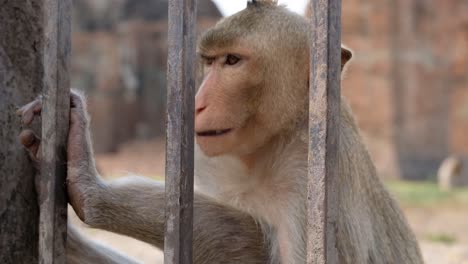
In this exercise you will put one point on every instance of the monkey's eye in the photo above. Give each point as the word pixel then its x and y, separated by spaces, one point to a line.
pixel 232 59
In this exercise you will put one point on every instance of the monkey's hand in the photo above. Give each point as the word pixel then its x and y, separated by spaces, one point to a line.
pixel 82 178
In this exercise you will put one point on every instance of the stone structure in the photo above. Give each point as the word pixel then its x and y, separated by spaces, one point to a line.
pixel 119 60
pixel 21 78
pixel 408 85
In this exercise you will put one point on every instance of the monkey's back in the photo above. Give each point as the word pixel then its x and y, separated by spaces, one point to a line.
pixel 371 226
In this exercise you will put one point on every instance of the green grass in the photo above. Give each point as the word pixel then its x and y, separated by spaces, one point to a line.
pixel 442 238
pixel 426 194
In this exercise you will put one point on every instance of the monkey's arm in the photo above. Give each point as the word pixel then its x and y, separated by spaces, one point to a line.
pixel 135 207
pixel 81 250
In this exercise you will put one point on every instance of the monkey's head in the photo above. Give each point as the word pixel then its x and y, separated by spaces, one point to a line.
pixel 256 79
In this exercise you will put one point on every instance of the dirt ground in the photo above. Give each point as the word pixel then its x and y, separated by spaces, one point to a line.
pixel 428 224
pixel 431 225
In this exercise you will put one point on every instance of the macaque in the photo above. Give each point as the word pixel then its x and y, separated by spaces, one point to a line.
pixel 251 130
pixel 449 174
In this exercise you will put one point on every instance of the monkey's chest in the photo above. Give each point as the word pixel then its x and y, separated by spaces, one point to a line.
pixel 263 202
pixel 262 197
pixel 281 218
pixel 275 205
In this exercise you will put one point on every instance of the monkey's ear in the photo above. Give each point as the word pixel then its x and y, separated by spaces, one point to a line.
pixel 346 55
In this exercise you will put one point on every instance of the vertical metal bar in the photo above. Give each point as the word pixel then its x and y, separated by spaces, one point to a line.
pixel 56 100
pixel 324 113
pixel 179 134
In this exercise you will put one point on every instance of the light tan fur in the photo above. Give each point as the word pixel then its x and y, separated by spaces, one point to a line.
pixel 449 174
pixel 250 160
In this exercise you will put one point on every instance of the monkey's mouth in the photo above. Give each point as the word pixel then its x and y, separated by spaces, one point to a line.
pixel 214 133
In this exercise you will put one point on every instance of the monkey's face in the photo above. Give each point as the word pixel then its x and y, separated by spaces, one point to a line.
pixel 256 79
pixel 226 102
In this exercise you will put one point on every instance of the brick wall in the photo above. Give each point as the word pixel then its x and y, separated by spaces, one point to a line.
pixel 408 83
pixel 119 59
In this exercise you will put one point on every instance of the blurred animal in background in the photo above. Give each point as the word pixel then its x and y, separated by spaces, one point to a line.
pixel 450 174
pixel 251 127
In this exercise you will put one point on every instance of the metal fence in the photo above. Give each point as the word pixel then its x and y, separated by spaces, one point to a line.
pixel 324 113
pixel 55 115
pixel 323 130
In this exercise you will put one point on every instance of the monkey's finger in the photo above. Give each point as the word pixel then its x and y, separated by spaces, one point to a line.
pixel 76 117
pixel 30 110
pixel 76 100
pixel 29 115
pixel 29 105
pixel 31 142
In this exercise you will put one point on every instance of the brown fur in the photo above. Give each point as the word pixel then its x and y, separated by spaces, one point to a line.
pixel 250 200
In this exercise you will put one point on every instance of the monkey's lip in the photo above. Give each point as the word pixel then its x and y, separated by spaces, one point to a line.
pixel 214 132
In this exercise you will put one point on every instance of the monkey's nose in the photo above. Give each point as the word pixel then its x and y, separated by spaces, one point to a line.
pixel 199 109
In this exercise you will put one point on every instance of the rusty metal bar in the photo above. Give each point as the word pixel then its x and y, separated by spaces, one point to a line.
pixel 324 113
pixel 179 133
pixel 55 113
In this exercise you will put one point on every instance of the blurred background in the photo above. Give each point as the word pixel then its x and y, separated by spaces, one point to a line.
pixel 407 85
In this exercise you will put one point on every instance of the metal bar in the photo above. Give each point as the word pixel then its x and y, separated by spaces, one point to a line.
pixel 324 113
pixel 55 113
pixel 179 133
